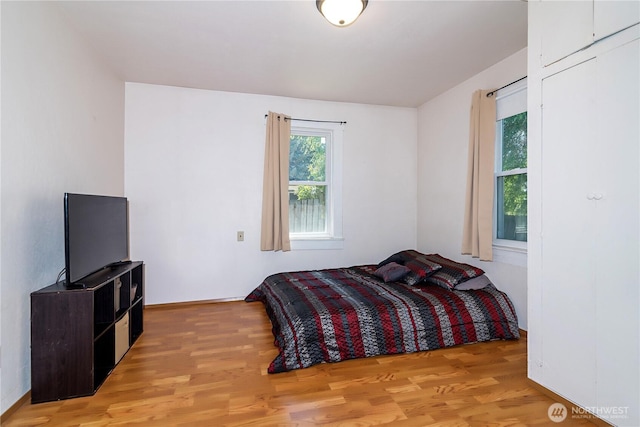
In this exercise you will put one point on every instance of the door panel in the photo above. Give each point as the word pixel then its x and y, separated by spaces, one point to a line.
pixel 568 212
pixel 567 26
pixel 618 218
pixel 612 16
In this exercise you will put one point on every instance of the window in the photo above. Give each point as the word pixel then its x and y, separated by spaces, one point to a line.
pixel 308 189
pixel 511 178
pixel 315 211
pixel 511 167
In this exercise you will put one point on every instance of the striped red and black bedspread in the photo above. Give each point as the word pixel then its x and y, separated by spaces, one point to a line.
pixel 347 313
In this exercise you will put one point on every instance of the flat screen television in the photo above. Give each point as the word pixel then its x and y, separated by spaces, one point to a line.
pixel 96 234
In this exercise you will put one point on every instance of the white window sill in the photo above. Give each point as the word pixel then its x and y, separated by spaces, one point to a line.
pixel 318 243
pixel 510 252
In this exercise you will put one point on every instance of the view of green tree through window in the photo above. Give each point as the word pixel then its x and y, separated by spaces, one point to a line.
pixel 511 178
pixel 308 184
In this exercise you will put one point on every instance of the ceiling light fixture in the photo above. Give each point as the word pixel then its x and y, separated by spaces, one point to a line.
pixel 341 13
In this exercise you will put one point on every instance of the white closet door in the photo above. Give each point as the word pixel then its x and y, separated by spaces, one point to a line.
pixel 566 27
pixel 568 246
pixel 611 16
pixel 618 218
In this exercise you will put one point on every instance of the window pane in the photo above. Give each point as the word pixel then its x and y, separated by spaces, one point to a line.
pixel 307 209
pixel 307 158
pixel 512 207
pixel 514 142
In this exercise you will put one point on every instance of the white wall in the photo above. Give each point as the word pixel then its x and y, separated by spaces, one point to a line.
pixel 62 130
pixel 443 139
pixel 193 175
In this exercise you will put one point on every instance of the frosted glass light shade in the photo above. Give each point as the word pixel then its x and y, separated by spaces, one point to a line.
pixel 341 12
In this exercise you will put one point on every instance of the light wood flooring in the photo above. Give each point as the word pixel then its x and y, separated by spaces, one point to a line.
pixel 205 365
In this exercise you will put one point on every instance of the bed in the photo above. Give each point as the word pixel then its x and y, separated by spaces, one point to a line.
pixel 407 303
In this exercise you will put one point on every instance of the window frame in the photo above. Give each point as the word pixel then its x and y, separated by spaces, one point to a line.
pixel 510 101
pixel 332 238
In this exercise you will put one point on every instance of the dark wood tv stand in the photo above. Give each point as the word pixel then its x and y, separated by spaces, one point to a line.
pixel 80 333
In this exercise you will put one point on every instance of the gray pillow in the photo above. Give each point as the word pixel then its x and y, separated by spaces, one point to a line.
pixel 473 284
pixel 392 272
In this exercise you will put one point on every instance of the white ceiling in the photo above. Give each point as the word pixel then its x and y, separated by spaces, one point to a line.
pixel 400 53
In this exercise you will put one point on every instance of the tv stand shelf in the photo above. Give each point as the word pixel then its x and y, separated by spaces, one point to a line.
pixel 80 333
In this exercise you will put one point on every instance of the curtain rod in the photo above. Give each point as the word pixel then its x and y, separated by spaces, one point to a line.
pixel 490 94
pixel 310 120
